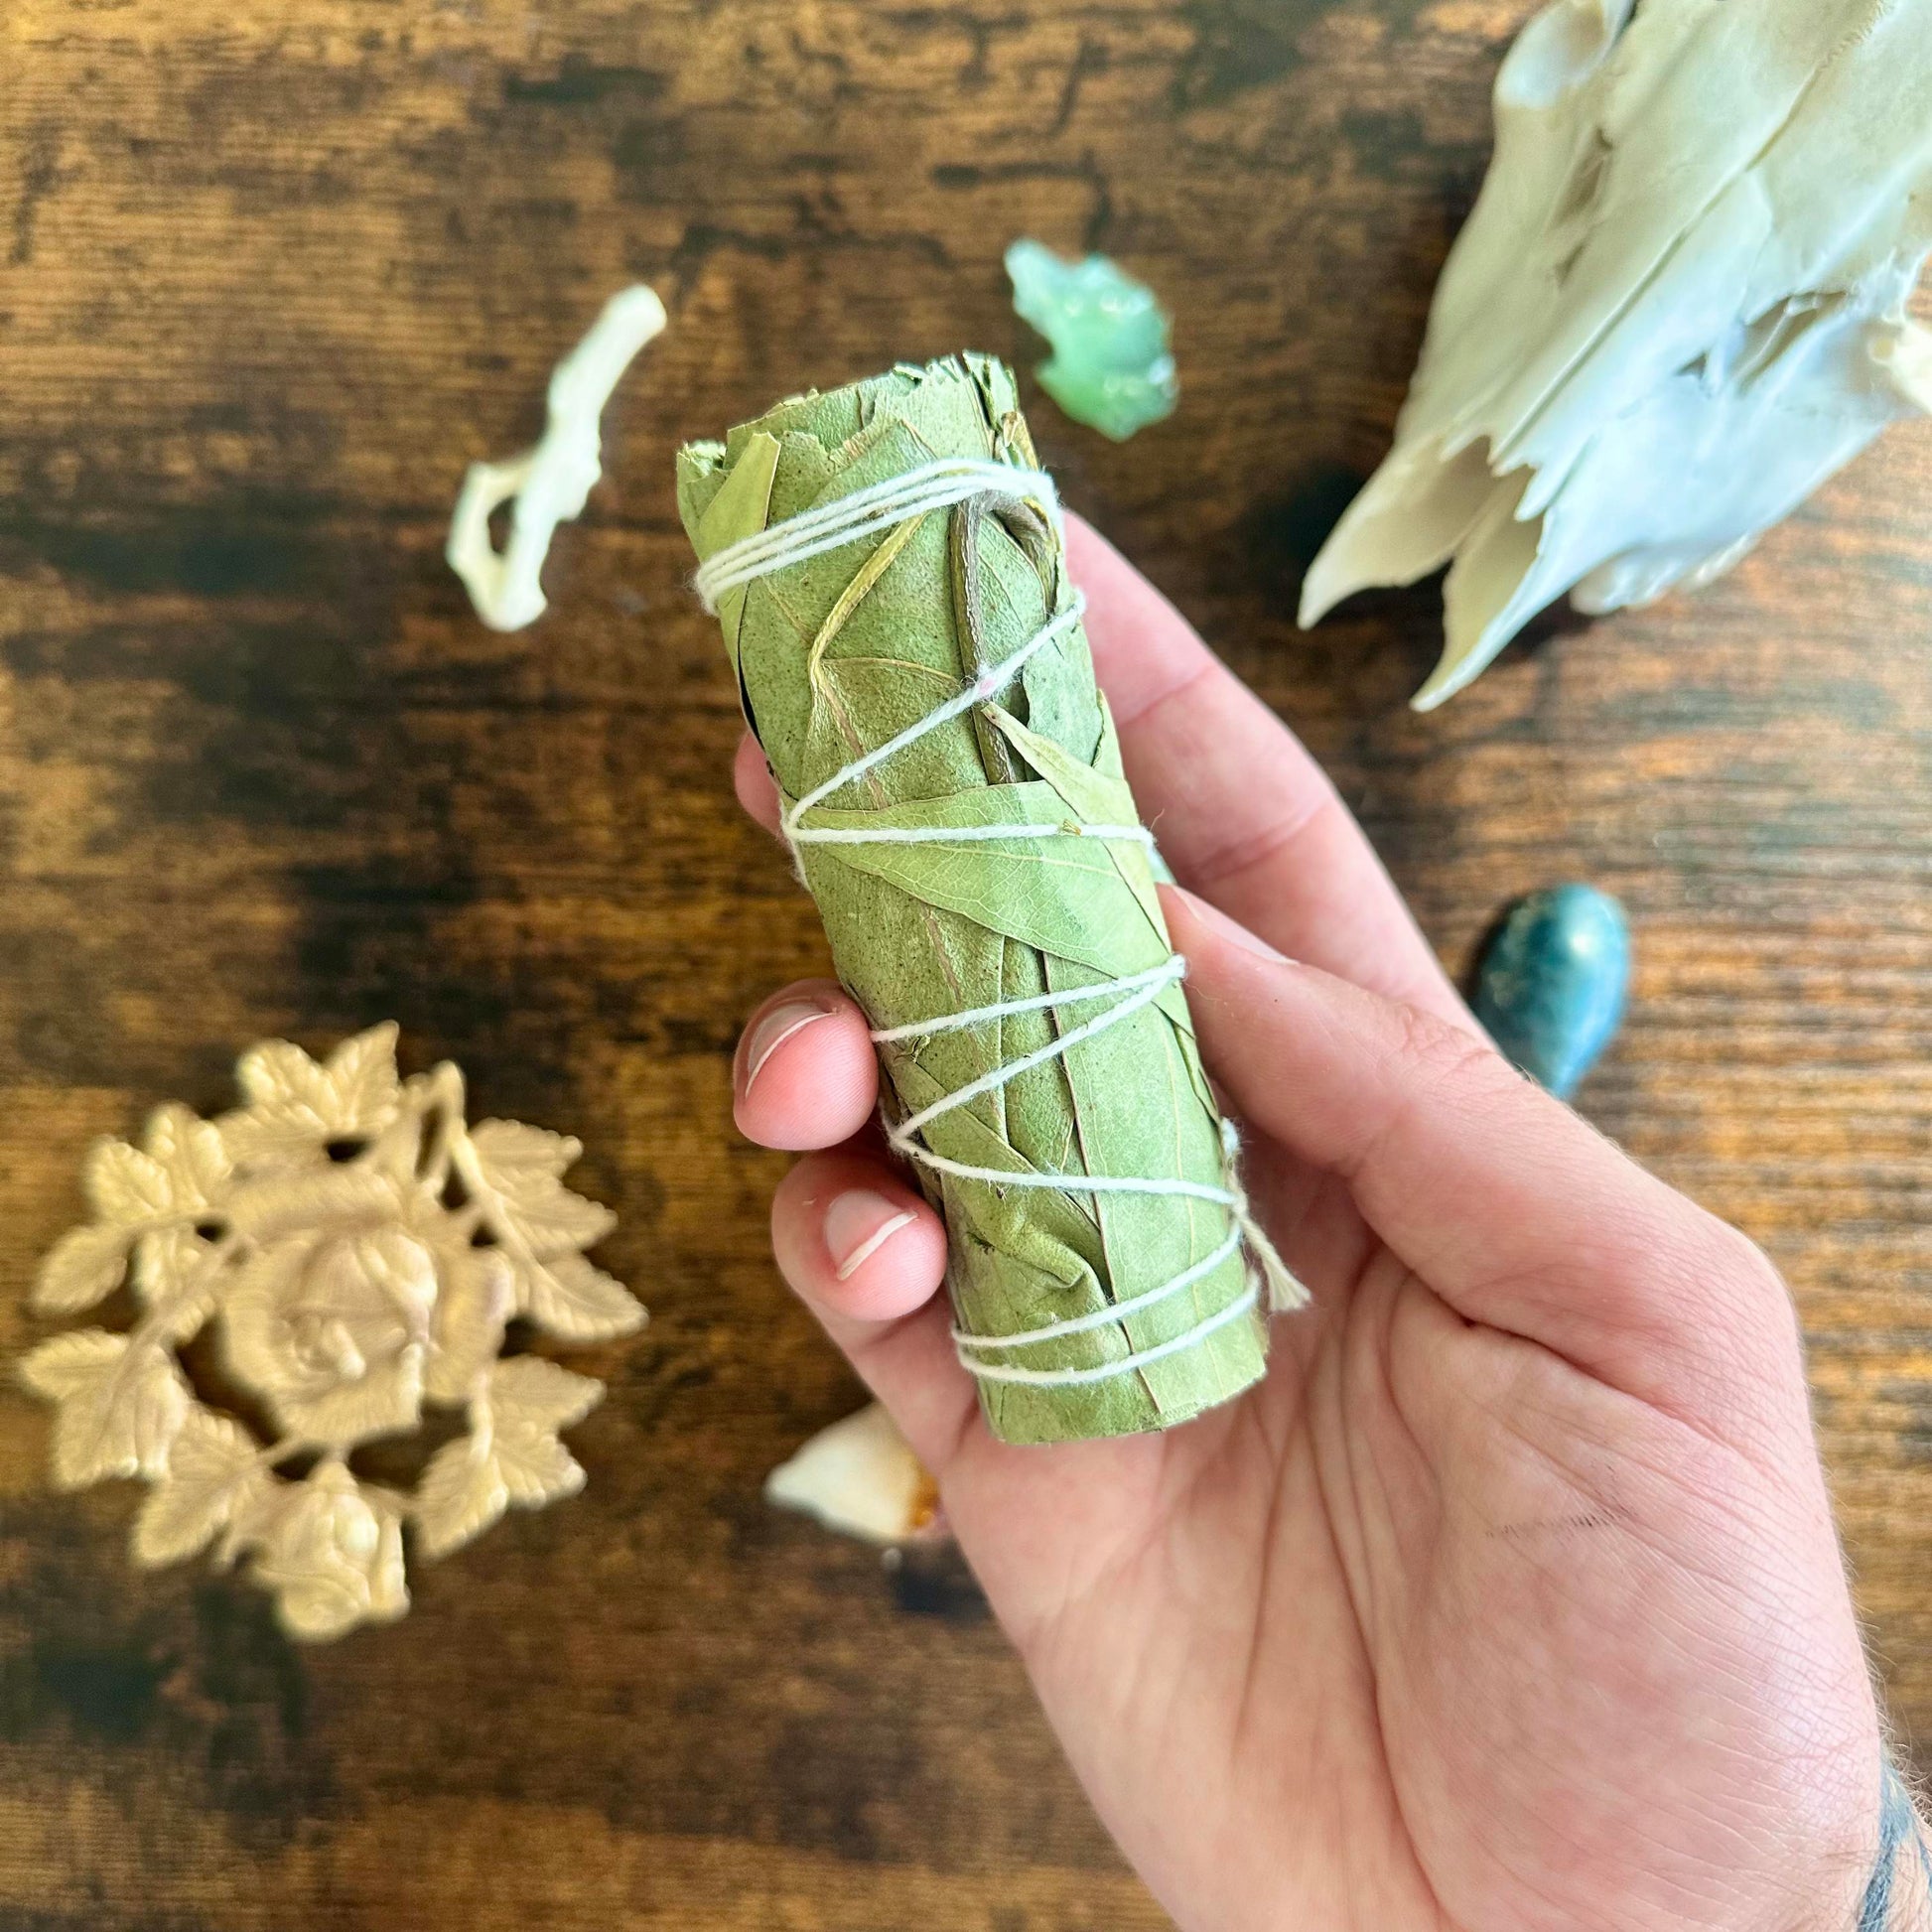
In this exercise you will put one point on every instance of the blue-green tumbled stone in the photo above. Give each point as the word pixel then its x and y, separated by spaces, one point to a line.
pixel 1554 982
pixel 1111 367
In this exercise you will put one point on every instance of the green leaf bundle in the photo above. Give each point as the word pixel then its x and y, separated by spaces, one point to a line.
pixel 1082 1067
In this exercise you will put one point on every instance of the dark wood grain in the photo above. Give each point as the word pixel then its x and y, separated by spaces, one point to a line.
pixel 269 278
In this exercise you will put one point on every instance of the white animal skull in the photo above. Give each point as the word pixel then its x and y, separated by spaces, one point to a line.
pixel 1679 306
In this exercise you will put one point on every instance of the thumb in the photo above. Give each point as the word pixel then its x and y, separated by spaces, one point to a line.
pixel 1504 1201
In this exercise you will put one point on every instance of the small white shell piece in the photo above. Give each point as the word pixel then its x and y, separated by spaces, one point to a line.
pixel 551 483
pixel 861 1479
pixel 1679 306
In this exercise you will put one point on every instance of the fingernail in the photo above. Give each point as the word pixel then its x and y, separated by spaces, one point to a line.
pixel 1235 934
pixel 857 1225
pixel 774 1029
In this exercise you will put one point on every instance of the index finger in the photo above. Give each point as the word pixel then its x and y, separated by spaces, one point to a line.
pixel 1244 816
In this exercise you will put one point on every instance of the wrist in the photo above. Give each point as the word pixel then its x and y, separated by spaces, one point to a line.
pixel 1899 1894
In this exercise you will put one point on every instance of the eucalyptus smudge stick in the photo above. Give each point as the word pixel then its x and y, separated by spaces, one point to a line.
pixel 888 566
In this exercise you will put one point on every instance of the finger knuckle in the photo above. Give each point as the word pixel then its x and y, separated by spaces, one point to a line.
pixel 1446 1056
pixel 1754 1277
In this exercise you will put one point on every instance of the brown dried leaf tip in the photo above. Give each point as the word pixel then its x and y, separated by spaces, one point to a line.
pixel 359 1248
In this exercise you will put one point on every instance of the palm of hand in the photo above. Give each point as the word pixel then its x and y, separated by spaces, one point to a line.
pixel 1437 1630
pixel 1510 1600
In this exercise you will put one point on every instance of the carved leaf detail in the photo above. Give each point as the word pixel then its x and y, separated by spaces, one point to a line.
pixel 508 1149
pixel 350 1285
pixel 576 1301
pixel 175 1274
pixel 190 1153
pixel 296 1106
pixel 461 1493
pixel 74 1365
pixel 214 1477
pixel 120 1406
pixel 362 1071
pixel 127 1187
pixel 517 1459
pixel 521 1165
pixel 83 1267
pixel 536 1469
pixel 528 1392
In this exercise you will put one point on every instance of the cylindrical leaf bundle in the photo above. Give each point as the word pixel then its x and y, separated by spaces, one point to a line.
pixel 989 864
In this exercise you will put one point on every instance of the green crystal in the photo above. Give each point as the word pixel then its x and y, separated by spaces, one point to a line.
pixel 1111 366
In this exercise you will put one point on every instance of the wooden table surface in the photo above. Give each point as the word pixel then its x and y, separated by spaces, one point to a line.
pixel 270 277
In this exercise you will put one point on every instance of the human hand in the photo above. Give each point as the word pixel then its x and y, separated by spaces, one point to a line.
pixel 1511 1599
